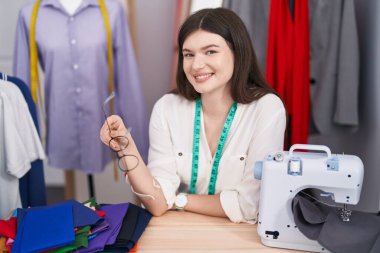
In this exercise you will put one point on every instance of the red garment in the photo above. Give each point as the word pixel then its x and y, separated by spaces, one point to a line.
pixel 288 63
pixel 8 228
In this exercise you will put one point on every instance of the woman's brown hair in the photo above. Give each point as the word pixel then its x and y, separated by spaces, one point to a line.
pixel 247 82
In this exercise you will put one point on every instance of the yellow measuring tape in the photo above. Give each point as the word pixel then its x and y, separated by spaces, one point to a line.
pixel 109 50
pixel 34 78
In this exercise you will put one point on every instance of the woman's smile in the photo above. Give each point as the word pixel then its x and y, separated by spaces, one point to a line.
pixel 200 78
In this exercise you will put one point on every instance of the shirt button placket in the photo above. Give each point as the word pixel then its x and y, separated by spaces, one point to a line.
pixel 75 66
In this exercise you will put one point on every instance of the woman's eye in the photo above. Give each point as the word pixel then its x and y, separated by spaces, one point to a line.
pixel 209 52
pixel 187 55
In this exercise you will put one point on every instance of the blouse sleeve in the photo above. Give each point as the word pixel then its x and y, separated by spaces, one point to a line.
pixel 161 155
pixel 241 204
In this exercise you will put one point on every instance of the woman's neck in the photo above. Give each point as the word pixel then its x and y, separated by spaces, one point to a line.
pixel 216 106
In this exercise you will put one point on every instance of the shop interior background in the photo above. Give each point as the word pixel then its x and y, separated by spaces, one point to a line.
pixel 155 22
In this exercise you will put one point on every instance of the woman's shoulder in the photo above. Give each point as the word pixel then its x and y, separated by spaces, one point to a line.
pixel 269 102
pixel 172 102
pixel 172 110
pixel 172 99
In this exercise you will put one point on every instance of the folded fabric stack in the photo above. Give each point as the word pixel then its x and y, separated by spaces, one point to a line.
pixel 72 226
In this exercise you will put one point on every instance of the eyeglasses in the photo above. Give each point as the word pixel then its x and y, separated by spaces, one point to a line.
pixel 119 143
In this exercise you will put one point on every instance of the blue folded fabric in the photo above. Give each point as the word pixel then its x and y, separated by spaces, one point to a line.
pixel 142 223
pixel 82 215
pixel 45 228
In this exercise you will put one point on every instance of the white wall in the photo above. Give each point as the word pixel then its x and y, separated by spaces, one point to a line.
pixel 8 20
pixel 155 21
pixel 202 4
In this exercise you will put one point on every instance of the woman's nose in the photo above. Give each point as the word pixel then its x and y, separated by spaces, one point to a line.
pixel 198 62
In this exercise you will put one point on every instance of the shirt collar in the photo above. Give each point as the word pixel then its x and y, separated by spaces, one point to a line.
pixel 57 4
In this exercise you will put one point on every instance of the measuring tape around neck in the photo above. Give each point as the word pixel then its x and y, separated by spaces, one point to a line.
pixel 218 153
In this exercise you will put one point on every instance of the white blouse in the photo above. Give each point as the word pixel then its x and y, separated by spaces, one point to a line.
pixel 20 145
pixel 257 129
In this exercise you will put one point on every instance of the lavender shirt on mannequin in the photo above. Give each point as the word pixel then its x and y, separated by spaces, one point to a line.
pixel 73 56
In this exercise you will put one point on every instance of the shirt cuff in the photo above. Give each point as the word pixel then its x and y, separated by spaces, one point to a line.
pixel 168 191
pixel 165 186
pixel 20 169
pixel 230 204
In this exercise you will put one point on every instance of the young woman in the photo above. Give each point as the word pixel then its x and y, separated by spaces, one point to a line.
pixel 206 136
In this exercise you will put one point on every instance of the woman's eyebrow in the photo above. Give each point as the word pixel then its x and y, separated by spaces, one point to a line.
pixel 203 48
pixel 208 46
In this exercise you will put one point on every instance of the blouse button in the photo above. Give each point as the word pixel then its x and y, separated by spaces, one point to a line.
pixel 180 153
pixel 241 158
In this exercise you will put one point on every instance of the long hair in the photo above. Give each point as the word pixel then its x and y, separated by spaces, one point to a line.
pixel 247 82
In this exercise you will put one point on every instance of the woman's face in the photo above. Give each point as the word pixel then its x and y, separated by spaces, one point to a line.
pixel 208 62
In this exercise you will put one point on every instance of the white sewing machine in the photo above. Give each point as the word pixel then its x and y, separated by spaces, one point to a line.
pixel 284 174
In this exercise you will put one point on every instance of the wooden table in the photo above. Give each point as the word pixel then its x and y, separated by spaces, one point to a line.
pixel 189 232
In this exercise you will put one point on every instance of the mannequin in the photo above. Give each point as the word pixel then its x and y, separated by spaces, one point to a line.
pixel 70 5
pixel 73 57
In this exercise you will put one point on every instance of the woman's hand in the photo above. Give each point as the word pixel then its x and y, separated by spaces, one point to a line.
pixel 139 177
pixel 113 127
